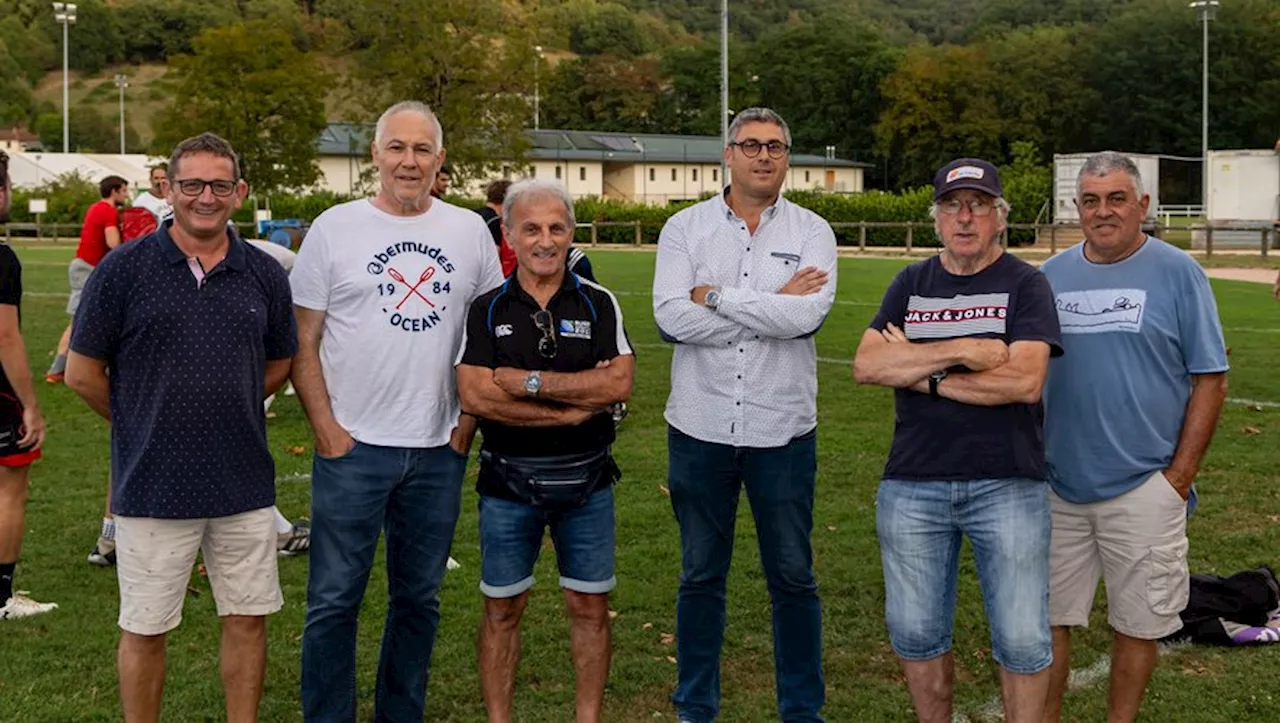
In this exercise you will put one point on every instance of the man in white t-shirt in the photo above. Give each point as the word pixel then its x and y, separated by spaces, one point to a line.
pixel 381 289
pixel 154 199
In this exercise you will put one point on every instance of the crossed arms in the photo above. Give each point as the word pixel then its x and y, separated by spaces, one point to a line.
pixel 998 374
pixel 565 399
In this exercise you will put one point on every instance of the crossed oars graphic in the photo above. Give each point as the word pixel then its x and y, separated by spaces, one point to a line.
pixel 426 274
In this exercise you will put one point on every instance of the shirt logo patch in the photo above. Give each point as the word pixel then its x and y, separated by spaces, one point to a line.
pixel 962 315
pixel 502 330
pixel 1097 311
pixel 571 329
pixel 965 172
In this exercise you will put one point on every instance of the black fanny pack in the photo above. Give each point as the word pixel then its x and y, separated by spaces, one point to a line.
pixel 562 482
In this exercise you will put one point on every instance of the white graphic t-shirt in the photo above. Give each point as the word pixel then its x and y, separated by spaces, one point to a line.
pixel 395 291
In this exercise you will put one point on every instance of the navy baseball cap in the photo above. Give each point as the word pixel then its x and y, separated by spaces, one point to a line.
pixel 971 173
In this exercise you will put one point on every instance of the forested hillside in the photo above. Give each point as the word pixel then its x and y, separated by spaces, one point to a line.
pixel 902 84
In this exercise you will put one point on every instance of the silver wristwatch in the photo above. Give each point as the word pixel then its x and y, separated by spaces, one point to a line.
pixel 712 299
pixel 533 383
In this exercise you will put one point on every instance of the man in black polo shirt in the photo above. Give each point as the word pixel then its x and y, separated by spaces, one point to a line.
pixel 195 328
pixel 544 356
pixel 21 426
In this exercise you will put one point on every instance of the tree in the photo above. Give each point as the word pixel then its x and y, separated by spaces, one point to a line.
pixel 90 131
pixel 470 60
pixel 15 95
pixel 94 41
pixel 826 83
pixel 608 28
pixel 249 84
pixel 939 104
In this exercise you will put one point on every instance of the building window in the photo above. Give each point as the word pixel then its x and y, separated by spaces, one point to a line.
pixel 673 174
pixel 715 174
pixel 582 173
pixel 806 176
pixel 695 175
pixel 557 173
pixel 651 175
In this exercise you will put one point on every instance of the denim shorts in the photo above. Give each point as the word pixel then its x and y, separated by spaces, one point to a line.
pixel 511 537
pixel 920 525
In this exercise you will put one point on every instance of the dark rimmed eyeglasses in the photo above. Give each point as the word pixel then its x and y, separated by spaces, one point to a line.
pixel 195 187
pixel 547 344
pixel 751 148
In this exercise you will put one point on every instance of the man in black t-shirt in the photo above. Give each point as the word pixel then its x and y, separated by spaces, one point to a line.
pixel 21 425
pixel 964 339
pixel 544 357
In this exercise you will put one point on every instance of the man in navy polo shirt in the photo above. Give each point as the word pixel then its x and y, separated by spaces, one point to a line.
pixel 544 357
pixel 182 334
pixel 964 339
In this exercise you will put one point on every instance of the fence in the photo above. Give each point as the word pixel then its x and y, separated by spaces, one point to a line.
pixel 866 235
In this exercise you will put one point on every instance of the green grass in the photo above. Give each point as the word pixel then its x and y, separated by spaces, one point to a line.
pixel 60 667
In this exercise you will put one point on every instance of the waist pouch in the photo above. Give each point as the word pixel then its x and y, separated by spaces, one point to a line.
pixel 562 482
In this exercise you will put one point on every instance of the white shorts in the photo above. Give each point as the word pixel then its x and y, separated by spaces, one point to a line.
pixel 1137 543
pixel 154 558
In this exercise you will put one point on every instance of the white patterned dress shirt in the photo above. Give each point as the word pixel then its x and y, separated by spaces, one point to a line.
pixel 744 374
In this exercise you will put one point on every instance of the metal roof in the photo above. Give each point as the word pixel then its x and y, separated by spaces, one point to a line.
pixel 344 139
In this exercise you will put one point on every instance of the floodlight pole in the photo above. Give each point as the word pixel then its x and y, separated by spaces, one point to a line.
pixel 1206 9
pixel 65 14
pixel 122 82
pixel 537 59
pixel 724 89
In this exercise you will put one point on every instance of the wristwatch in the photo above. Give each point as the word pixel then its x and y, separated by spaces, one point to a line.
pixel 934 379
pixel 533 383
pixel 712 299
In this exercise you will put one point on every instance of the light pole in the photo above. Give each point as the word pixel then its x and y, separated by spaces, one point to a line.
pixel 724 88
pixel 65 13
pixel 1206 9
pixel 122 82
pixel 537 58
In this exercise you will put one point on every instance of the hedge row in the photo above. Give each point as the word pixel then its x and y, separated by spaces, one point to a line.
pixel 70 195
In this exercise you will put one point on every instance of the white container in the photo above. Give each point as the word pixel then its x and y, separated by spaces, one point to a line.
pixel 1066 167
pixel 1244 187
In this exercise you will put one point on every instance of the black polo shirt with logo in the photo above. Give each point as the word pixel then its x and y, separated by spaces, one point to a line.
pixel 501 332
pixel 186 361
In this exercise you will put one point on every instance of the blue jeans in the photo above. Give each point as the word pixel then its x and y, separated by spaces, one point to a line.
pixel 1007 520
pixel 511 537
pixel 415 496
pixel 705 480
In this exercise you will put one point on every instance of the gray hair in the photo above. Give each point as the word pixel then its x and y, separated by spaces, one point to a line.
pixel 1106 163
pixel 757 115
pixel 1002 206
pixel 409 106
pixel 205 143
pixel 536 188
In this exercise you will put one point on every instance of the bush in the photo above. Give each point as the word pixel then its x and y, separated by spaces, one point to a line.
pixel 69 196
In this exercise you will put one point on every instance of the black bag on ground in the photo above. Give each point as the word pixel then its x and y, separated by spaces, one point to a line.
pixel 1246 598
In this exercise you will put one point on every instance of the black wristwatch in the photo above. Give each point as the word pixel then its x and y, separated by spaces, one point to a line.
pixel 934 378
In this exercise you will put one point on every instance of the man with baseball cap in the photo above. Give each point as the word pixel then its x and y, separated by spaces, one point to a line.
pixel 964 339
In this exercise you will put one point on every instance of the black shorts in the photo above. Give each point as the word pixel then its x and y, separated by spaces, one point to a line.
pixel 11 455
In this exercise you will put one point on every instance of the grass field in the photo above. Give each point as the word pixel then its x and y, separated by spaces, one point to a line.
pixel 60 667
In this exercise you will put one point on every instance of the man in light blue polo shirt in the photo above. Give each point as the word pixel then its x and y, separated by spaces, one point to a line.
pixel 1130 410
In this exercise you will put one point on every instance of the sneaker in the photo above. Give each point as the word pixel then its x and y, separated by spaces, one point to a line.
pixel 296 541
pixel 21 606
pixel 104 553
pixel 55 377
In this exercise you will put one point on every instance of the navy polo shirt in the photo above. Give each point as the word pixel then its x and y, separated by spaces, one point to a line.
pixel 186 362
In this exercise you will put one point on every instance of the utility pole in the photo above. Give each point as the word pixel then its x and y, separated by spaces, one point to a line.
pixel 65 14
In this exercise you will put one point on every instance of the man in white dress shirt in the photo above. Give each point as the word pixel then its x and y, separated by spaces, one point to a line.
pixel 743 282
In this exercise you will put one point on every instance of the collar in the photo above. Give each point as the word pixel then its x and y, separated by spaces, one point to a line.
pixel 236 254
pixel 727 211
pixel 570 282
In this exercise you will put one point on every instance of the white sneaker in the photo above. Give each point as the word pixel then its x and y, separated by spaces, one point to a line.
pixel 21 606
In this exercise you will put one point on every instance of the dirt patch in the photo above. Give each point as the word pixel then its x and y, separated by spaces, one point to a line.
pixel 1257 276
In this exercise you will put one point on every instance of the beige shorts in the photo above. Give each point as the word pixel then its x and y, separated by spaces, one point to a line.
pixel 154 558
pixel 1137 542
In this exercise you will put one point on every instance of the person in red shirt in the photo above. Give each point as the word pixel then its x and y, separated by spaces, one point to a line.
pixel 99 234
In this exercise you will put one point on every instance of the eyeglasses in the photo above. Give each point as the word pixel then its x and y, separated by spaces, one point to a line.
pixel 977 207
pixel 751 148
pixel 547 344
pixel 195 187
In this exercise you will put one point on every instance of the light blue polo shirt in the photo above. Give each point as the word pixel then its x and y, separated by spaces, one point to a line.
pixel 1133 334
